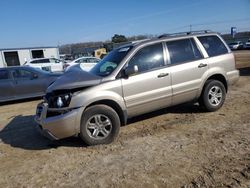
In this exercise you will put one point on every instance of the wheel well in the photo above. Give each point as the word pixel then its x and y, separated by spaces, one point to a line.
pixel 220 78
pixel 115 106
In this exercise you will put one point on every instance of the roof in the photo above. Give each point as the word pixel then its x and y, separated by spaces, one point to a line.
pixel 26 48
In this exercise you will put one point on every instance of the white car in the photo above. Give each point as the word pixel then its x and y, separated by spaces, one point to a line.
pixel 247 44
pixel 87 63
pixel 48 64
pixel 237 45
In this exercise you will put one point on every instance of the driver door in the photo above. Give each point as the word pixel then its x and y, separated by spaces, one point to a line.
pixel 26 84
pixel 150 88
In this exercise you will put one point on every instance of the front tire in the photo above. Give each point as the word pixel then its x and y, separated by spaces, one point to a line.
pixel 100 125
pixel 213 95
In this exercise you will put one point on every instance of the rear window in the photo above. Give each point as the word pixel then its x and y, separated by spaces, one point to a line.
pixel 213 45
pixel 4 75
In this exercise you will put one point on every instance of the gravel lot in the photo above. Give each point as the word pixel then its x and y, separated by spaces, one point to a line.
pixel 175 147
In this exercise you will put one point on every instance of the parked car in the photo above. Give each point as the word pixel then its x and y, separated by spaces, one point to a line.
pixel 136 79
pixel 24 82
pixel 238 45
pixel 47 64
pixel 247 44
pixel 87 63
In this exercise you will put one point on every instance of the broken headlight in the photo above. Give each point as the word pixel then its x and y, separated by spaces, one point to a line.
pixel 58 100
pixel 62 100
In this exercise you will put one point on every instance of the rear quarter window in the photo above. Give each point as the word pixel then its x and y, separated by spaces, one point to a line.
pixel 213 45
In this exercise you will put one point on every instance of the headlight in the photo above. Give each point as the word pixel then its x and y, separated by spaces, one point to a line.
pixel 63 100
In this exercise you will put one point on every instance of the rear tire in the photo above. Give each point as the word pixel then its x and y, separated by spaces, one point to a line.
pixel 213 95
pixel 100 124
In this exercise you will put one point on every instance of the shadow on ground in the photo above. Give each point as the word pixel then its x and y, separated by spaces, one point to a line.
pixel 245 71
pixel 22 132
pixel 179 109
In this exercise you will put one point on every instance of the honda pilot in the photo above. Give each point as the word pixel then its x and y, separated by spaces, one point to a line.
pixel 135 79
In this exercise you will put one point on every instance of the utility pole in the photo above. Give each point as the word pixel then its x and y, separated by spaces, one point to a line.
pixel 190 28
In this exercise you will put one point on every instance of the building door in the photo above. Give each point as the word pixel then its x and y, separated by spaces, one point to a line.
pixel 11 58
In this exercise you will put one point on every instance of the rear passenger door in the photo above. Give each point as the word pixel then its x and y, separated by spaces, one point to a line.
pixel 6 86
pixel 187 67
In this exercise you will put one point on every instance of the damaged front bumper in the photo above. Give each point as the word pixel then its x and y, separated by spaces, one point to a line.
pixel 57 123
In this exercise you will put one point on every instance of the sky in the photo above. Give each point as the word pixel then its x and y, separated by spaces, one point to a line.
pixel 29 23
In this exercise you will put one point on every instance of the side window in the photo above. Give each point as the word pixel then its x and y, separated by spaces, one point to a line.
pixel 184 50
pixel 34 62
pixel 44 61
pixel 148 58
pixel 22 74
pixel 4 75
pixel 213 45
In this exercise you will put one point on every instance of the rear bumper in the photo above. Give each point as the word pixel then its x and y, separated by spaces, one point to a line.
pixel 59 126
pixel 233 77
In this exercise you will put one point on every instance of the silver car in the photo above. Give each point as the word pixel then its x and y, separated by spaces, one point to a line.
pixel 135 79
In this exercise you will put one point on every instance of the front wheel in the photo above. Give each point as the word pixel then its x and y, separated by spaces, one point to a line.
pixel 213 95
pixel 100 125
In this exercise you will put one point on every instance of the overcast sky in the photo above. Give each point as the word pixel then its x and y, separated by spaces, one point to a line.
pixel 26 23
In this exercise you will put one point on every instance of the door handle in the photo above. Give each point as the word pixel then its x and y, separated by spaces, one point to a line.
pixel 162 75
pixel 202 65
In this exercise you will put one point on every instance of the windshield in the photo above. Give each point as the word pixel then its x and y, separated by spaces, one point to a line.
pixel 109 63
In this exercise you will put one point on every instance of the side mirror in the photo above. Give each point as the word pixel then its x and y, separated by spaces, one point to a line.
pixel 130 70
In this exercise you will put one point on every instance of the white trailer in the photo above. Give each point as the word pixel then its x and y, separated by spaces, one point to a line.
pixel 18 56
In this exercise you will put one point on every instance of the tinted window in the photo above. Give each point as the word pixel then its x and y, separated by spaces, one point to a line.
pixel 108 64
pixel 33 62
pixel 22 74
pixel 40 61
pixel 148 58
pixel 213 45
pixel 43 61
pixel 183 51
pixel 4 75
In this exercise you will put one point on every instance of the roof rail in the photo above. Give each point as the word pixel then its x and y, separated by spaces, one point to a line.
pixel 184 33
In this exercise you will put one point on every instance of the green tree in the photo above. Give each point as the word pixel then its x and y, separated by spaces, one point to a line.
pixel 119 38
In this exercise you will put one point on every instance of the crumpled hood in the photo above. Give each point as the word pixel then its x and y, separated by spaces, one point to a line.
pixel 74 78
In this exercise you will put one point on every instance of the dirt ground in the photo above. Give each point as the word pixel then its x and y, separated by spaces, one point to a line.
pixel 176 147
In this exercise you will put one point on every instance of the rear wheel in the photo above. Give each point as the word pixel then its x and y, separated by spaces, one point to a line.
pixel 213 95
pixel 100 125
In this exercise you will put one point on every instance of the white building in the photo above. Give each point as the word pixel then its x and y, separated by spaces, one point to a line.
pixel 18 56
